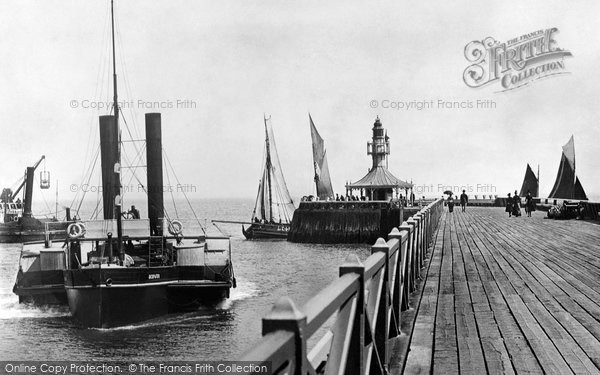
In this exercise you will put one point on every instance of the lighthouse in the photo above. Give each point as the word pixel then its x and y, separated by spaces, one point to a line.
pixel 379 184
pixel 379 146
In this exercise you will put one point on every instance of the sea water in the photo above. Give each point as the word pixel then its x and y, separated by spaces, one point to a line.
pixel 265 271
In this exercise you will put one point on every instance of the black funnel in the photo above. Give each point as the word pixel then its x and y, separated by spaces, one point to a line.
pixel 109 153
pixel 154 172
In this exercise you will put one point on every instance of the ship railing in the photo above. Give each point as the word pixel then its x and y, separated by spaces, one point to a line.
pixel 366 304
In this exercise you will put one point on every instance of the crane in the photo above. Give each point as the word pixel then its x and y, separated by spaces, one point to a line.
pixel 25 179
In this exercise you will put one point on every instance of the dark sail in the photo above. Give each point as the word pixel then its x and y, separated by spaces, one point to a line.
pixel 567 185
pixel 579 193
pixel 322 178
pixel 530 183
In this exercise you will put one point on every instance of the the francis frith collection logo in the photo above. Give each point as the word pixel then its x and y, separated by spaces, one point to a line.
pixel 514 63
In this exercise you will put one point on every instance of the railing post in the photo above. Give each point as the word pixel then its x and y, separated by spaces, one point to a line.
pixel 428 228
pixel 285 316
pixel 424 242
pixel 356 350
pixel 418 217
pixel 406 229
pixel 382 321
pixel 413 253
pixel 398 294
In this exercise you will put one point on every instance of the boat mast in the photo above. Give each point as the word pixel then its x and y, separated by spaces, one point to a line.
pixel 538 181
pixel 117 170
pixel 269 171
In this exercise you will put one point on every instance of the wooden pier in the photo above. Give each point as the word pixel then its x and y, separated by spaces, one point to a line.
pixel 474 292
pixel 508 295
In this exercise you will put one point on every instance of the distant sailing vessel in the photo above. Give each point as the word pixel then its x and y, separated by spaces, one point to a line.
pixel 274 207
pixel 322 178
pixel 567 184
pixel 531 183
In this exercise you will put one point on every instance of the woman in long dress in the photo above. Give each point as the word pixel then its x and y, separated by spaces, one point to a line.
pixel 516 205
pixel 529 204
pixel 450 203
pixel 509 205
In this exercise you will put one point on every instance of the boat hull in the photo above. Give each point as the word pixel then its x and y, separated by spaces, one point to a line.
pixel 110 297
pixel 105 298
pixel 43 295
pixel 106 307
pixel 41 287
pixel 189 295
pixel 199 286
pixel 263 231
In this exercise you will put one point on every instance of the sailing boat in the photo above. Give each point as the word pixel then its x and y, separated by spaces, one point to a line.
pixel 567 184
pixel 530 183
pixel 274 207
pixel 322 178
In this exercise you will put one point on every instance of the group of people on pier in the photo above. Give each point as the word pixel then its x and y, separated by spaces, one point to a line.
pixel 513 204
pixel 464 200
pixel 341 198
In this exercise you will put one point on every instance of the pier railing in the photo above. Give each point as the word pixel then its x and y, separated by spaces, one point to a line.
pixel 360 312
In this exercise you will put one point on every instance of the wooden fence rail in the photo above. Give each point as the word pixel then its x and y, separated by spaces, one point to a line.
pixel 366 302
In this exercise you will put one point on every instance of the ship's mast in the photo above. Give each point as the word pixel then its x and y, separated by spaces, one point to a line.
pixel 117 168
pixel 269 171
pixel 538 181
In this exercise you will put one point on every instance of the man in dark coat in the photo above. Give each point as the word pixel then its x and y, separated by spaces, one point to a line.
pixel 464 199
pixel 134 213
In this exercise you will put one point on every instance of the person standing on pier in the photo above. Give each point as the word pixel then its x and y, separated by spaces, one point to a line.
pixel 464 199
pixel 450 203
pixel 529 204
pixel 509 205
pixel 516 205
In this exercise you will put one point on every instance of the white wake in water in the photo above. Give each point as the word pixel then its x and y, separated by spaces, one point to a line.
pixel 10 308
pixel 244 290
pixel 161 321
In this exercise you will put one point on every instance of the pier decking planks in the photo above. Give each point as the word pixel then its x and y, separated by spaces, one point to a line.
pixel 508 295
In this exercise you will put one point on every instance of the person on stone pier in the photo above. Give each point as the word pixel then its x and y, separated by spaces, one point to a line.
pixel 464 199
pixel 509 205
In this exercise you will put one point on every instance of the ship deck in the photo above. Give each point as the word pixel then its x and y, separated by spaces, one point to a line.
pixel 505 295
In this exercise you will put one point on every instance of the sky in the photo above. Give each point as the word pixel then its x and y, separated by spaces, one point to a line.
pixel 214 69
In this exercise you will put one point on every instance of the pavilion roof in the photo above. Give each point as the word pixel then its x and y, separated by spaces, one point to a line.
pixel 380 177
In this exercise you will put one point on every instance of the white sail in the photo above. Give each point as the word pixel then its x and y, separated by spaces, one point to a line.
pixel 273 201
